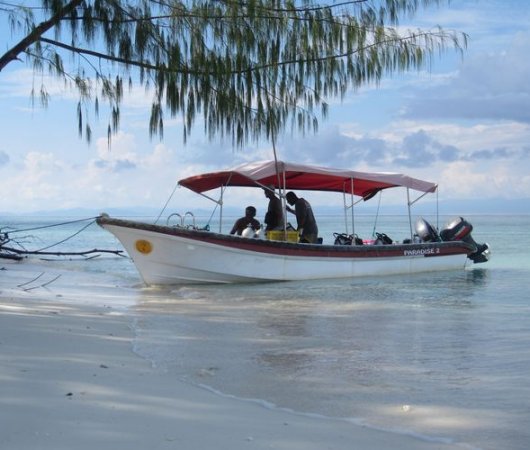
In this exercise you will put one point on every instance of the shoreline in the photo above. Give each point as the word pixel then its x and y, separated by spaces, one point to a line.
pixel 70 379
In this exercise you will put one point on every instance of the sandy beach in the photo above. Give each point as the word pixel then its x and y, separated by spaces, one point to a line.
pixel 69 379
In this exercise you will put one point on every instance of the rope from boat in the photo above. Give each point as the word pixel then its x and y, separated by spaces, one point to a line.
pixel 211 216
pixel 92 221
pixel 167 203
pixel 6 239
pixel 66 239
pixel 53 225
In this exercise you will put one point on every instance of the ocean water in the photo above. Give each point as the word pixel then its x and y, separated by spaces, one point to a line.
pixel 442 356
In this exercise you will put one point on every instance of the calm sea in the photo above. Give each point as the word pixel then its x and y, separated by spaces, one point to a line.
pixel 442 356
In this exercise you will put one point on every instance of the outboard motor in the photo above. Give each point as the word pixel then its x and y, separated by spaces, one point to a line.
pixel 426 231
pixel 459 229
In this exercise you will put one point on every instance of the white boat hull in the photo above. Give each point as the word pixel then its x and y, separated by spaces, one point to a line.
pixel 172 256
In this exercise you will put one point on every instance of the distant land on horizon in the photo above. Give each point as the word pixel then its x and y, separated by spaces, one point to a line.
pixel 446 207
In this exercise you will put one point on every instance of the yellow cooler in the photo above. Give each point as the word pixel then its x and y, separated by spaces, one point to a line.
pixel 280 235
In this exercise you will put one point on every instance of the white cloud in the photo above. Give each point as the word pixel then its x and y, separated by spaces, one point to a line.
pixel 481 160
pixel 36 183
pixel 489 86
pixel 468 138
pixel 122 147
pixel 4 158
pixel 413 144
pixel 160 157
pixel 467 180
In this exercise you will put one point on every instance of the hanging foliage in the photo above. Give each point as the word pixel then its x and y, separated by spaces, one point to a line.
pixel 248 68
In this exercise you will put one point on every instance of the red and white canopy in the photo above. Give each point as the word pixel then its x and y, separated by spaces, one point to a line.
pixel 304 177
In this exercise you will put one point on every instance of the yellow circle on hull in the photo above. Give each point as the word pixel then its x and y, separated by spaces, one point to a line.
pixel 144 246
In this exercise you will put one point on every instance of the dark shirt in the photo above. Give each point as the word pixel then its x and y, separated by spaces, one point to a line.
pixel 243 223
pixel 306 220
pixel 274 216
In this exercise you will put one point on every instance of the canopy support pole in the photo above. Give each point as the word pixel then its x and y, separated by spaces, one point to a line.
pixel 221 209
pixel 348 206
pixel 281 183
pixel 352 213
pixel 409 204
pixel 417 199
pixel 220 203
pixel 437 211
pixel 284 201
pixel 345 206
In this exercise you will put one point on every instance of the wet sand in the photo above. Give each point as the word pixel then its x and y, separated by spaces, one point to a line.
pixel 69 379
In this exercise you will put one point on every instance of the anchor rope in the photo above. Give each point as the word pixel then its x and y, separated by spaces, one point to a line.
pixel 52 225
pixel 68 238
pixel 5 237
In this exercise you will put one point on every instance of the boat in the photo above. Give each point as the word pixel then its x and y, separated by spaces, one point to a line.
pixel 179 254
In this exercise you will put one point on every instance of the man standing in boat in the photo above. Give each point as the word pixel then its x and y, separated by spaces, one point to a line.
pixel 274 215
pixel 306 223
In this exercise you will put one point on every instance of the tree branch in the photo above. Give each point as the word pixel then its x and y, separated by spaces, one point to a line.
pixel 36 34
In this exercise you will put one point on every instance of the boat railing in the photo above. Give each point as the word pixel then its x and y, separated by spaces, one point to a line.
pixel 189 213
pixel 182 219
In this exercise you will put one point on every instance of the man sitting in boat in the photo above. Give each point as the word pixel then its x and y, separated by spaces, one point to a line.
pixel 306 224
pixel 244 222
pixel 274 216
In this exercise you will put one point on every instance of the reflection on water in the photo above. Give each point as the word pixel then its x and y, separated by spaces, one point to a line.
pixel 477 277
pixel 438 344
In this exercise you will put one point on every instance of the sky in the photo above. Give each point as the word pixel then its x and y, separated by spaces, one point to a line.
pixel 464 124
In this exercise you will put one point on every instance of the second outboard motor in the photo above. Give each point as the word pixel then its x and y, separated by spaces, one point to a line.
pixel 459 229
pixel 426 231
